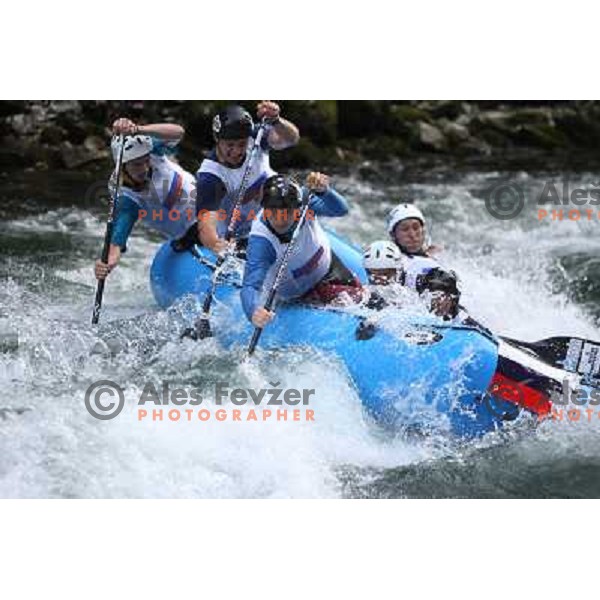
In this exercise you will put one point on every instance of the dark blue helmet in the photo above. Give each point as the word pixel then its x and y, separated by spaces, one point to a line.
pixel 281 192
pixel 232 123
pixel 438 280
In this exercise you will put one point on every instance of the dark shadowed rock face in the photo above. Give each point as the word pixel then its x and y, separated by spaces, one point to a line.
pixel 74 134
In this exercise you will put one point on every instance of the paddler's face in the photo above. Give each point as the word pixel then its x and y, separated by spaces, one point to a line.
pixel 138 169
pixel 281 219
pixel 410 235
pixel 442 304
pixel 232 152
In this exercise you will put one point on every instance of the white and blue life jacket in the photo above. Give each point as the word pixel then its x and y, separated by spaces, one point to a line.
pixel 414 266
pixel 309 261
pixel 232 180
pixel 168 201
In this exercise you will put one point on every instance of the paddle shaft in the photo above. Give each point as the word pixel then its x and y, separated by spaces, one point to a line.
pixel 258 330
pixel 279 276
pixel 108 233
pixel 202 324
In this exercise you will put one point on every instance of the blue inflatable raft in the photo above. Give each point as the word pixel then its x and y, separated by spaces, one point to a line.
pixel 410 372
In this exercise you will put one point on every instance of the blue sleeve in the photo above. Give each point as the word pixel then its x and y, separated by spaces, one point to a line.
pixel 329 204
pixel 127 213
pixel 210 191
pixel 162 148
pixel 260 255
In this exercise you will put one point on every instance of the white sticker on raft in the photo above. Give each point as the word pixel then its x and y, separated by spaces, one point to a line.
pixel 590 360
pixel 573 353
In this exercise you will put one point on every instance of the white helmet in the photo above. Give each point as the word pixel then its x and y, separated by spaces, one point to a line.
pixel 135 146
pixel 382 255
pixel 402 212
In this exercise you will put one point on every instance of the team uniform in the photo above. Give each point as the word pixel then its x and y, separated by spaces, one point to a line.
pixel 416 266
pixel 218 187
pixel 311 262
pixel 166 204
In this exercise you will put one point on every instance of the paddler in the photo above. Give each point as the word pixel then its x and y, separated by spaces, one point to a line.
pixel 220 175
pixel 154 189
pixel 313 274
pixel 384 264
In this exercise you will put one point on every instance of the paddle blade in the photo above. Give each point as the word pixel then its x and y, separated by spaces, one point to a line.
pixel 200 331
pixel 574 355
pixel 203 329
pixel 189 332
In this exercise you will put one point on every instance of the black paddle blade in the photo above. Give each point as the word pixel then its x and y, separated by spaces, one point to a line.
pixel 189 332
pixel 201 331
pixel 574 355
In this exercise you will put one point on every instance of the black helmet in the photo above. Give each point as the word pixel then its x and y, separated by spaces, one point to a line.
pixel 438 280
pixel 281 192
pixel 232 123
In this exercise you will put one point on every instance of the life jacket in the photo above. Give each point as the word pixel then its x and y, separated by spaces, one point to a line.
pixel 309 260
pixel 231 178
pixel 168 200
pixel 415 265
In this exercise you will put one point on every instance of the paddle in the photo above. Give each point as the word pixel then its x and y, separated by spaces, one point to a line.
pixel 201 328
pixel 108 234
pixel 573 354
pixel 280 273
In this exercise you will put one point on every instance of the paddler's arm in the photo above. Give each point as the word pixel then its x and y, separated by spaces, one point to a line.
pixel 170 133
pixel 209 194
pixel 326 202
pixel 127 215
pixel 260 255
pixel 282 134
pixel 207 233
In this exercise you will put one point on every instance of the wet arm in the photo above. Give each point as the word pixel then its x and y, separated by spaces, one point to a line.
pixel 127 216
pixel 329 204
pixel 260 256
pixel 283 134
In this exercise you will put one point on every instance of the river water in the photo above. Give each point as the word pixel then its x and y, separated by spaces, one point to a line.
pixel 523 277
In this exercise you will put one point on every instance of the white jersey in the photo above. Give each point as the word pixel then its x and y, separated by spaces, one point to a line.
pixel 308 263
pixel 415 266
pixel 168 202
pixel 232 180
